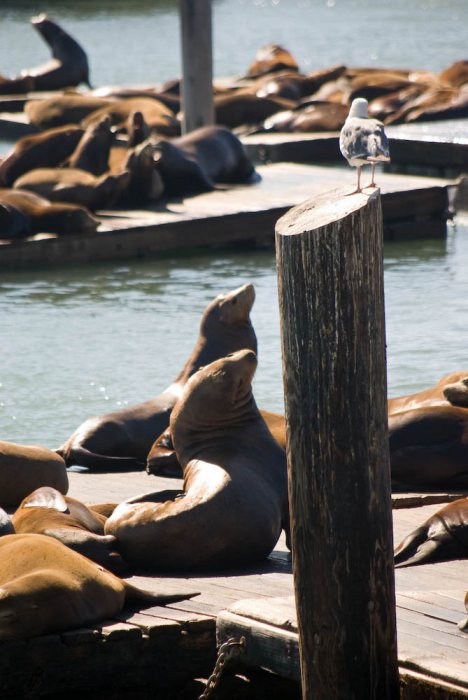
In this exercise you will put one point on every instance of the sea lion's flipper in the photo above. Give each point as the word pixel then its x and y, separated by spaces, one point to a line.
pixel 46 497
pixel 97 462
pixel 105 509
pixel 6 524
pixel 416 548
pixel 99 548
pixel 137 597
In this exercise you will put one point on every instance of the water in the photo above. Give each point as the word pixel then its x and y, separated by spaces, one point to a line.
pixel 84 341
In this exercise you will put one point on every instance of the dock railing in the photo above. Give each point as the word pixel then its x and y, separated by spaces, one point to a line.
pixel 331 296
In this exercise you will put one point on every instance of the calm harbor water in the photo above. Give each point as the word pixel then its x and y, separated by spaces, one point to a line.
pixel 83 341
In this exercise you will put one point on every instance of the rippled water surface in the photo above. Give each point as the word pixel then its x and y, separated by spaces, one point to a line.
pixel 84 341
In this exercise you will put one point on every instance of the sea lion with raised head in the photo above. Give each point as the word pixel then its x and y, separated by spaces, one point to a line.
pixel 235 480
pixel 46 511
pixel 68 67
pixel 92 151
pixel 429 447
pixel 123 439
pixel 271 58
pixel 45 588
pixel 145 183
pixel 441 537
pixel 450 389
pixel 48 217
pixel 24 468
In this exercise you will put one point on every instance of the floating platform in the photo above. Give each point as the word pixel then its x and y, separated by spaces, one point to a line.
pixel 413 207
pixel 158 651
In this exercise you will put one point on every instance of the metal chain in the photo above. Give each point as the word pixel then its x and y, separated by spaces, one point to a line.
pixel 227 651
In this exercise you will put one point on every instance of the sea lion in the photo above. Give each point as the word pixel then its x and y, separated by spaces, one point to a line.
pixel 450 389
pixel 239 108
pixel 47 217
pixel 69 65
pixel 295 86
pixel 441 537
pixel 24 468
pixel 69 108
pixel 13 222
pixel 137 129
pixel 200 159
pixel 123 439
pixel 75 186
pixel 456 74
pixel 92 151
pixel 45 588
pixel 271 58
pixel 429 447
pixel 145 183
pixel 45 150
pixel 46 511
pixel 235 480
pixel 159 118
pixel 162 458
pixel 315 116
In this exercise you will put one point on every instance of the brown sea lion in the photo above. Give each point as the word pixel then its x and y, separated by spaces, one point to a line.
pixel 450 389
pixel 159 118
pixel 123 439
pixel 237 109
pixel 69 108
pixel 92 151
pixel 45 587
pixel 441 537
pixel 24 468
pixel 75 186
pixel 235 480
pixel 376 84
pixel 202 158
pixel 456 74
pixel 295 86
pixel 47 217
pixel 46 511
pixel 271 58
pixel 315 116
pixel 429 447
pixel 68 67
pixel 45 150
pixel 162 458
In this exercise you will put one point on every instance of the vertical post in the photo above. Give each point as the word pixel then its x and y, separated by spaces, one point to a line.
pixel 197 64
pixel 330 279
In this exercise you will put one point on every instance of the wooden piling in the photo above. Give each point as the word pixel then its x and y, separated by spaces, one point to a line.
pixel 197 64
pixel 330 279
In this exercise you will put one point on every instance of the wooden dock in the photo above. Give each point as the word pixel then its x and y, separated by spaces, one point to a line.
pixel 158 651
pixel 413 207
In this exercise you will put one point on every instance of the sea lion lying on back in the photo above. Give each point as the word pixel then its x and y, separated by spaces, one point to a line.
pixel 123 439
pixel 46 511
pixel 92 151
pixel 63 589
pixel 235 480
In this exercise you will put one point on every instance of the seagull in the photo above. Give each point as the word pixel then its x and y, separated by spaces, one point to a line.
pixel 363 140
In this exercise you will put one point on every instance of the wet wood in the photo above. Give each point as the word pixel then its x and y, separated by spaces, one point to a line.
pixel 329 253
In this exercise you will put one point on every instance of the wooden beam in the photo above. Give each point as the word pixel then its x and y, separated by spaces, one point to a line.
pixel 330 279
pixel 197 64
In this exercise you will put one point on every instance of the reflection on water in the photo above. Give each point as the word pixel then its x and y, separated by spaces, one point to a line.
pixel 84 341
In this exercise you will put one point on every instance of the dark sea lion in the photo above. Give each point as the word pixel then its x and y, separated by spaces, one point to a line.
pixel 24 468
pixel 441 537
pixel 45 150
pixel 316 116
pixel 69 65
pixel 162 458
pixel 429 447
pixel 145 183
pixel 13 223
pixel 69 108
pixel 123 439
pixel 295 86
pixel 45 588
pixel 450 389
pixel 240 109
pixel 235 480
pixel 48 217
pixel 46 511
pixel 202 158
pixel 376 84
pixel 438 97
pixel 271 58
pixel 137 129
pixel 75 186
pixel 92 151
pixel 159 118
